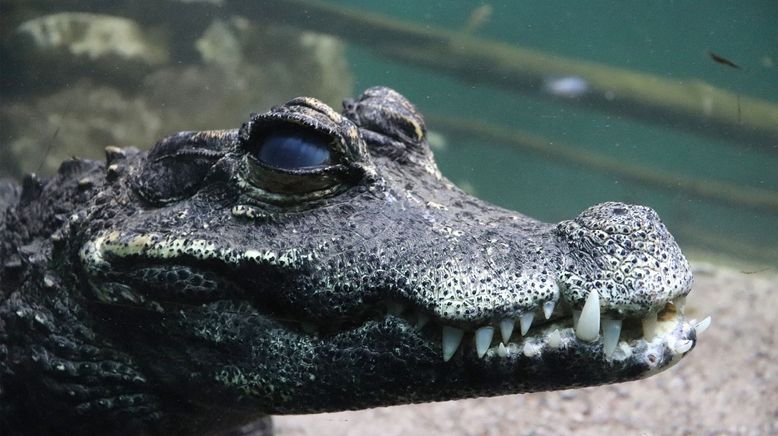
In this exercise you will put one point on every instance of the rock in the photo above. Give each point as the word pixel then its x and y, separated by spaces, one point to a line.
pixel 285 58
pixel 243 68
pixel 248 69
pixel 115 49
pixel 78 120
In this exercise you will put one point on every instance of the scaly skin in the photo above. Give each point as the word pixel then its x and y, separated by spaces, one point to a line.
pixel 205 284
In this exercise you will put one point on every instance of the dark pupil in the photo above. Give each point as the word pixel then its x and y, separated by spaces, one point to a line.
pixel 293 149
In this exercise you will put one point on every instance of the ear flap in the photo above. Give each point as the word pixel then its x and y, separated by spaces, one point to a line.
pixel 177 166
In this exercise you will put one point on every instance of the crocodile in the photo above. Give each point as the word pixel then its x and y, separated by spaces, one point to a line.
pixel 310 261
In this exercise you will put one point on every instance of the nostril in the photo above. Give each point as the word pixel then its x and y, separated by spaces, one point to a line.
pixel 619 211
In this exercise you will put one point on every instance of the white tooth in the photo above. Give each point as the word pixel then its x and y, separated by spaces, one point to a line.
pixel 548 309
pixel 576 315
pixel 483 338
pixel 506 329
pixel 422 320
pixel 526 321
pixel 588 326
pixel 702 325
pixel 530 349
pixel 554 339
pixel 501 350
pixel 611 330
pixel 452 336
pixel 683 346
pixel 649 326
pixel 394 308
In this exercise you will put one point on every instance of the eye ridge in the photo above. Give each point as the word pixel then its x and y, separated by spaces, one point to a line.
pixel 292 148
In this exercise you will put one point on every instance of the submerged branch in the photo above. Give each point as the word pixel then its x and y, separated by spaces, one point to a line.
pixel 716 191
pixel 690 105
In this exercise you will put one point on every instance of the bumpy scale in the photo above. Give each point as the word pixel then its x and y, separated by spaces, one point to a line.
pixel 310 261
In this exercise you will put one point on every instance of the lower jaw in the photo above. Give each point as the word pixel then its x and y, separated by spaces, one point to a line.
pixel 611 340
pixel 380 373
pixel 387 361
pixel 561 340
pixel 673 337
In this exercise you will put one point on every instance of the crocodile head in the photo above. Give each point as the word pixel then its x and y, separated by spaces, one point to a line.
pixel 318 261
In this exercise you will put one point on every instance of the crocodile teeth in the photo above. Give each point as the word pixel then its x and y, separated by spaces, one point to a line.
pixel 588 326
pixel 576 315
pixel 649 326
pixel 548 309
pixel 501 350
pixel 526 322
pixel 554 339
pixel 702 325
pixel 530 349
pixel 611 330
pixel 506 329
pixel 683 346
pixel 483 338
pixel 421 321
pixel 452 337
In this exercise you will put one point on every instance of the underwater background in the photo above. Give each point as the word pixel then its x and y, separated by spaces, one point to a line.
pixel 541 107
pixel 75 82
pixel 669 40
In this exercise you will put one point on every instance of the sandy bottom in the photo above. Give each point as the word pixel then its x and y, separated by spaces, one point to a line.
pixel 727 385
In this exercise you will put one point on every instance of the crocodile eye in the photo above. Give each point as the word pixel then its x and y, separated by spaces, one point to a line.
pixel 293 162
pixel 288 149
pixel 299 152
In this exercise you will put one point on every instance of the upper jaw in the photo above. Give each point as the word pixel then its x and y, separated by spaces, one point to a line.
pixel 552 327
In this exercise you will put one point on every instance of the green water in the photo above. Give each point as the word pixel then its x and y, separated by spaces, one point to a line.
pixel 668 39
